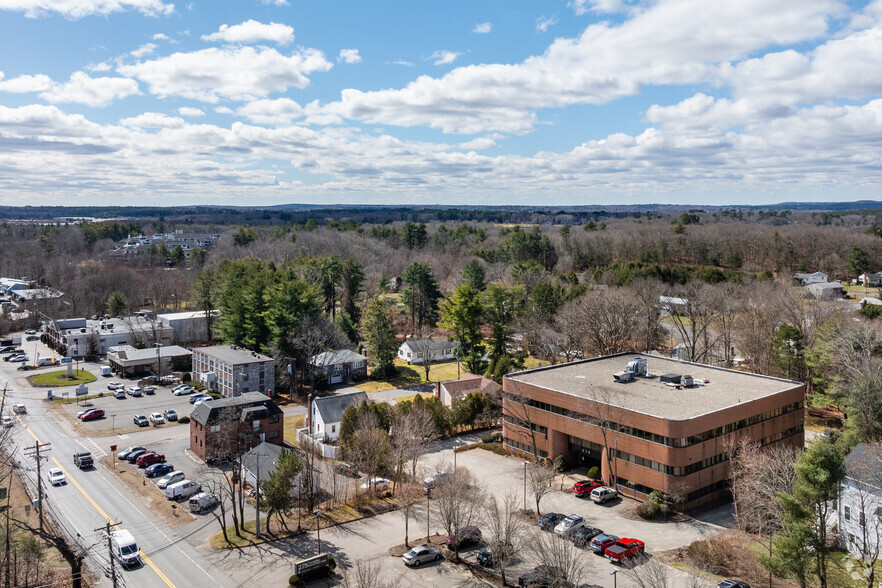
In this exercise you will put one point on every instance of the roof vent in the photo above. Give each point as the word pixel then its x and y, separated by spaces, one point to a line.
pixel 687 381
pixel 233 347
pixel 637 366
pixel 623 376
pixel 671 378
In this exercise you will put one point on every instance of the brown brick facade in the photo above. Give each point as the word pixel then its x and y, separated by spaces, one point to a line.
pixel 216 433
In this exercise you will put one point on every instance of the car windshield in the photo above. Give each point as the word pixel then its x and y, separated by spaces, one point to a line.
pixel 601 538
pixel 129 549
pixel 411 553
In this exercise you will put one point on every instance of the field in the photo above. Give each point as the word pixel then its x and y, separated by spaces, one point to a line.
pixel 412 375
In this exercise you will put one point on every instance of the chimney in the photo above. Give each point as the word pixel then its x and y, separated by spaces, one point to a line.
pixel 437 389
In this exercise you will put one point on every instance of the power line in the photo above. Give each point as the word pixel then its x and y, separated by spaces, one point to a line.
pixel 36 455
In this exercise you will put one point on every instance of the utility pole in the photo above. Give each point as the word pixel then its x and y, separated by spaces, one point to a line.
pixel 106 530
pixel 257 495
pixel 8 582
pixel 3 399
pixel 35 453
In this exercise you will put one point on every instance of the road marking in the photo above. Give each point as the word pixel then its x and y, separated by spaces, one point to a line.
pixel 98 508
pixel 121 436
pixel 92 446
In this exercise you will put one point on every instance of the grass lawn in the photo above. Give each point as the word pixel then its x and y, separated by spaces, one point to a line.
pixel 59 378
pixel 292 423
pixel 411 375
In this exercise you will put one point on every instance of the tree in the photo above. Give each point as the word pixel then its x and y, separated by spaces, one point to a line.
pixel 223 485
pixel 367 574
pixel 505 529
pixel 368 444
pixel 409 495
pixel 693 318
pixel 461 314
pixel 275 492
pixel 646 572
pixel 857 365
pixel 457 499
pixel 858 261
pixel 788 355
pixel 540 478
pixel 204 293
pixel 244 236
pixel 565 564
pixel 758 476
pixel 413 431
pixel 421 296
pixel 315 335
pixel 351 288
pixel 414 235
pixel 501 305
pixel 473 274
pixel 116 304
pixel 379 334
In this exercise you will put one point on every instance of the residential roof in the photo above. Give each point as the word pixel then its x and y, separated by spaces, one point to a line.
pixel 332 407
pixel 435 344
pixel 592 379
pixel 37 293
pixel 864 464
pixel 336 357
pixel 208 411
pixel 268 454
pixel 802 276
pixel 468 384
pixel 232 355
pixel 825 286
pixel 870 300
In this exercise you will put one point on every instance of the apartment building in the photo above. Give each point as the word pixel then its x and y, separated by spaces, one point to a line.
pixel 222 428
pixel 230 370
pixel 649 423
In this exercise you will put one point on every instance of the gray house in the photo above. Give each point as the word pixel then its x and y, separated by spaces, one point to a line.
pixel 340 366
pixel 264 459
pixel 860 502
pixel 825 290
pixel 435 349
pixel 327 413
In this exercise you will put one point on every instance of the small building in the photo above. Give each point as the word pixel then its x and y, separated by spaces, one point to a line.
pixel 813 278
pixel 230 370
pixel 340 366
pixel 860 501
pixel 421 350
pixel 326 415
pixel 825 290
pixel 76 335
pixel 870 300
pixel 467 384
pixel 265 459
pixel 672 305
pixel 126 361
pixel 873 280
pixel 190 327
pixel 230 426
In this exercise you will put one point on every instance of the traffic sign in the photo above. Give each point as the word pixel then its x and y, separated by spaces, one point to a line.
pixel 113 447
pixel 66 360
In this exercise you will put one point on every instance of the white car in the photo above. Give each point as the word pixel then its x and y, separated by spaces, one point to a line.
pixel 200 401
pixel 183 391
pixel 567 526
pixel 434 479
pixel 119 393
pixel 114 386
pixel 157 419
pixel 56 477
pixel 8 421
pixel 133 391
pixel 376 484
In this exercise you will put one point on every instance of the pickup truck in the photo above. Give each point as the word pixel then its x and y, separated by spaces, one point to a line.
pixel 624 549
pixel 83 460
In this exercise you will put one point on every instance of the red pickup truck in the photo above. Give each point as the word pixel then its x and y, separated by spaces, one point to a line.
pixel 624 549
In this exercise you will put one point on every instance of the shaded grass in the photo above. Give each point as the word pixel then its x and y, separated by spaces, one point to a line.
pixel 59 378
pixel 292 423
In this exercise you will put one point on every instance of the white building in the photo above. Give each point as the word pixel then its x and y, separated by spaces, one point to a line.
pixel 860 501
pixel 814 278
pixel 191 326
pixel 231 371
pixel 326 414
pixel 870 280
pixel 138 331
pixel 437 349
pixel 825 290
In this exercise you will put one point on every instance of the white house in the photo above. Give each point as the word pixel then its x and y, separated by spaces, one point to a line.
pixel 870 280
pixel 815 278
pixel 436 349
pixel 327 413
pixel 860 501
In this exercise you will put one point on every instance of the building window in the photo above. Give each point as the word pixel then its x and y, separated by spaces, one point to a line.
pixel 847 513
pixel 274 419
pixel 273 435
pixel 333 428
pixel 215 428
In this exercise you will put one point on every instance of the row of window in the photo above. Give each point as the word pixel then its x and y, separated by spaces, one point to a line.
pixel 655 437
pixel 671 470
pixel 523 447
pixel 862 516
pixel 519 423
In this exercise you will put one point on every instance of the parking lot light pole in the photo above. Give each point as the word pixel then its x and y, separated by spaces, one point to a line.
pixel 428 511
pixel 615 576
pixel 113 420
pixel 525 484
pixel 318 529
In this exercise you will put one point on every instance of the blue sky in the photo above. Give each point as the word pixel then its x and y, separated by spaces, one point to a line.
pixel 500 102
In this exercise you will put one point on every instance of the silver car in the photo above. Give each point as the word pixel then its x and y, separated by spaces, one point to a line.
pixel 421 554
pixel 170 478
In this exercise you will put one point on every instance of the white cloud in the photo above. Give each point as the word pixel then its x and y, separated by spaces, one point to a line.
pixel 275 2
pixel 252 31
pixel 94 92
pixel 144 50
pixel 280 111
pixel 26 83
pixel 444 57
pixel 153 120
pixel 190 111
pixel 483 27
pixel 240 73
pixel 349 56
pixel 98 67
pixel 161 37
pixel 479 143
pixel 581 7
pixel 75 9
pixel 404 63
pixel 543 22
pixel 224 110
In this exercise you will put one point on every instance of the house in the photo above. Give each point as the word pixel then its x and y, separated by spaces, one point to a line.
pixel 825 290
pixel 431 350
pixel 467 384
pixel 860 501
pixel 263 460
pixel 870 280
pixel 340 366
pixel 225 427
pixel 326 414
pixel 815 278
pixel 870 300
pixel 231 370
pixel 672 304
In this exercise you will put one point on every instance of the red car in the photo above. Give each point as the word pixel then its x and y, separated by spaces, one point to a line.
pixel 91 415
pixel 584 488
pixel 624 549
pixel 149 459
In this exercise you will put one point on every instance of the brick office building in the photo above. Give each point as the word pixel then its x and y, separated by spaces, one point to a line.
pixel 668 431
pixel 234 425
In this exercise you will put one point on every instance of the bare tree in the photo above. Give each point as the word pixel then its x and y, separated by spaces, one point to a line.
pixel 857 360
pixel 756 324
pixel 540 477
pixel 369 447
pixel 646 572
pixel 758 475
pixel 221 484
pixel 647 292
pixel 566 564
pixel 505 529
pixel 457 500
pixel 413 431
pixel 692 318
pixel 409 495
pixel 315 336
pixel 604 320
pixel 367 574
pixel 309 483
pixel 425 352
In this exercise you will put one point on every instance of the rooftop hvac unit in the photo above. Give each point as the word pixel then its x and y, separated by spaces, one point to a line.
pixel 623 376
pixel 637 366
pixel 671 378
pixel 686 381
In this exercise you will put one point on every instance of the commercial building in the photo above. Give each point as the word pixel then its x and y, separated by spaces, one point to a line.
pixel 126 361
pixel 657 424
pixel 230 370
pixel 76 335
pixel 191 326
pixel 222 428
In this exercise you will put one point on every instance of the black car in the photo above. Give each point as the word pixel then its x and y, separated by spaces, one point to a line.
pixel 487 556
pixel 549 521
pixel 733 584
pixel 135 455
pixel 466 536
pixel 583 535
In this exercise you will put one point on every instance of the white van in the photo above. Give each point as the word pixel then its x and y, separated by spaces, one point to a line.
pixel 43 361
pixel 182 490
pixel 124 548
pixel 105 371
pixel 202 502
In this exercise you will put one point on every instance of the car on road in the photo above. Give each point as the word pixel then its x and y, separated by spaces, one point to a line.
pixel 31 338
pixel 158 469
pixel 549 520
pixel 133 391
pixel 170 415
pixel 603 494
pixel 92 414
pixel 569 524
pixel 169 478
pixel 601 542
pixel 733 584
pixel 466 536
pixel 19 409
pixel 125 453
pixel 583 489
pixel 83 460
pixel 115 386
pixel 624 549
pixel 135 455
pixel 30 332
pixel 57 477
pixel 198 397
pixel 148 459
pixel 420 555
pixel 8 421
pixel 583 535
pixel 140 420
pixel 149 390
pixel 376 483
pixel 157 419
pixel 184 390
pixel 488 557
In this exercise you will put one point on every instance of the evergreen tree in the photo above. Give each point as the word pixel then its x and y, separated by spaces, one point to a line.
pixel 117 304
pixel 379 334
pixel 473 275
pixel 501 305
pixel 421 296
pixel 858 261
pixel 462 314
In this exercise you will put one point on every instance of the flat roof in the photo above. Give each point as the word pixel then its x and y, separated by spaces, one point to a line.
pixel 716 388
pixel 232 354
pixel 190 314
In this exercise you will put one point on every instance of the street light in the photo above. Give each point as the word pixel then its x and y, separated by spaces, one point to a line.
pixel 113 420
pixel 428 511
pixel 318 529
pixel 525 484
pixel 615 576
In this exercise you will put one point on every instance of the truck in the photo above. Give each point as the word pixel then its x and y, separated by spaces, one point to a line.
pixel 124 548
pixel 105 371
pixel 624 549
pixel 182 490
pixel 83 460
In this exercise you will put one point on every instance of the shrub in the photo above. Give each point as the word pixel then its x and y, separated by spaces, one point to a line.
pixel 185 377
pixel 331 564
pixel 718 554
pixel 294 581
pixel 594 473
pixel 184 420
pixel 488 439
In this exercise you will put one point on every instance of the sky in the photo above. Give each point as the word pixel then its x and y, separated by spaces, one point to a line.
pixel 516 102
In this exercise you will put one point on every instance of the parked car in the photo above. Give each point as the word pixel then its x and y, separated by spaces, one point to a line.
pixel 30 332
pixel 583 489
pixel 115 386
pixel 170 415
pixel 421 554
pixel 31 338
pixel 119 393
pixel 9 349
pixel 733 584
pixel 141 420
pixel 549 520
pixel 198 397
pixel 466 536
pixel 569 524
pixel 376 484
pixel 487 557
pixel 149 390
pixel 184 390
pixel 124 454
pixel 432 480
pixel 18 358
pixel 157 419
pixel 169 478
pixel 135 455
pixel 201 401
pixel 133 391
pixel 7 420
pixel 624 549
pixel 182 490
pixel 92 414
pixel 83 460
pixel 603 494
pixel 583 535
pixel 57 477
pixel 146 459
pixel 11 355
pixel 348 470
pixel 543 577
pixel 158 469
pixel 601 542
